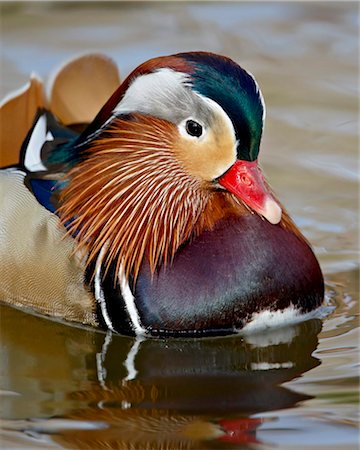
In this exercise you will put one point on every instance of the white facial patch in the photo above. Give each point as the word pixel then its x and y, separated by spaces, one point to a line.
pixel 156 93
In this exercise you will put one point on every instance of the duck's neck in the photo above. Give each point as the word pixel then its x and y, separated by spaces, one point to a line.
pixel 221 204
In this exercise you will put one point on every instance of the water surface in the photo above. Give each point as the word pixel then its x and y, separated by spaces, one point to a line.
pixel 296 387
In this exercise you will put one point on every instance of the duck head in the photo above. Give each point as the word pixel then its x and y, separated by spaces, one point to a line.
pixel 177 130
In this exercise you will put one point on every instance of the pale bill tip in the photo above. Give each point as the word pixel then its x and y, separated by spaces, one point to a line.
pixel 272 211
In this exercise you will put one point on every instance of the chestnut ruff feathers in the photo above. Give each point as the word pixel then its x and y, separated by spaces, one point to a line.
pixel 131 197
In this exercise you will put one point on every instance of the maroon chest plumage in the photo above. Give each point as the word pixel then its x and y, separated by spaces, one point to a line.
pixel 217 281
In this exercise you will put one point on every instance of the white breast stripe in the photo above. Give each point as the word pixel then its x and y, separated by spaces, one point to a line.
pixel 129 301
pixel 99 294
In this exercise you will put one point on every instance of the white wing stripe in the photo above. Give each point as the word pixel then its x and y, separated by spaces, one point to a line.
pixel 32 161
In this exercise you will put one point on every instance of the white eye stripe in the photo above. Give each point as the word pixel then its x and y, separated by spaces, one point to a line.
pixel 156 94
pixel 153 91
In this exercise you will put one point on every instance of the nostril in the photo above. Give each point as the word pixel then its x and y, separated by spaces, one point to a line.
pixel 245 179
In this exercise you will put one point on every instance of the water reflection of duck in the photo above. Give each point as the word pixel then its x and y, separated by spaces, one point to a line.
pixel 163 197
pixel 112 390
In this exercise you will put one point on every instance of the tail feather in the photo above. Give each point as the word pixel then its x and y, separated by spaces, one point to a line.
pixel 17 112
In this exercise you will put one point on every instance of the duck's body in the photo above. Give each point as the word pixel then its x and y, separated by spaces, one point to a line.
pixel 162 222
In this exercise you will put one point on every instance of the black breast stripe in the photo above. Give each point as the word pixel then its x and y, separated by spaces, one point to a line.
pixel 113 302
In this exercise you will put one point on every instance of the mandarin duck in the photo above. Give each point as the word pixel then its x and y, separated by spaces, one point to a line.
pixel 152 216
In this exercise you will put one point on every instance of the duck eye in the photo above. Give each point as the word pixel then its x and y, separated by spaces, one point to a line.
pixel 193 128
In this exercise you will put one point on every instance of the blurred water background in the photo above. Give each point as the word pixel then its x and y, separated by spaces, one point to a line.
pixel 294 388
